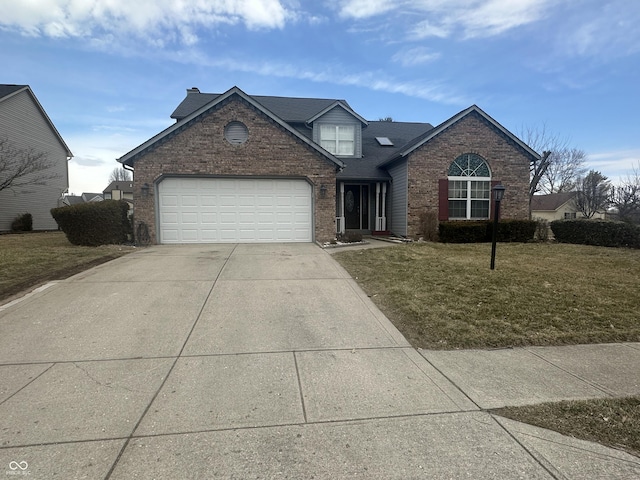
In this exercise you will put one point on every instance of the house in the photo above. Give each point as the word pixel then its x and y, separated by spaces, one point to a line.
pixel 120 190
pixel 68 200
pixel 242 168
pixel 25 127
pixel 557 206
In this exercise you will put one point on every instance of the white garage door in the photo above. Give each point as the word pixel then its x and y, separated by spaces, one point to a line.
pixel 213 210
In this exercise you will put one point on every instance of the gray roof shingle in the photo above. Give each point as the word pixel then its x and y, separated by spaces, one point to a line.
pixel 8 89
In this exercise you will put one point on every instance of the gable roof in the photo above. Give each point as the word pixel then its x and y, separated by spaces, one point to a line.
pixel 9 90
pixel 289 109
pixel 550 202
pixel 421 140
pixel 186 121
pixel 122 185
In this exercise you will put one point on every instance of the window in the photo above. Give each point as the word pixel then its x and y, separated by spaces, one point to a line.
pixel 338 139
pixel 469 188
pixel 569 215
pixel 236 133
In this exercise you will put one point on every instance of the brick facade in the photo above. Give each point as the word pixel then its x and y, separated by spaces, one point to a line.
pixel 509 165
pixel 270 151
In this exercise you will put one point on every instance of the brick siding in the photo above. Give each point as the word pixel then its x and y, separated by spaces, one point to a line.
pixel 472 134
pixel 270 151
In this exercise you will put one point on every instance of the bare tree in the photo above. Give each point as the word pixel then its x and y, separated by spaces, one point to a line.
pixel 119 174
pixel 23 166
pixel 625 197
pixel 560 166
pixel 594 192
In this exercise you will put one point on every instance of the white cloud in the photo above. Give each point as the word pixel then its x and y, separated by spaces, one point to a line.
pixel 443 18
pixel 615 164
pixel 155 20
pixel 415 56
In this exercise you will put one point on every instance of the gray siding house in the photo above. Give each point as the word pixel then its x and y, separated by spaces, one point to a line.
pixel 24 125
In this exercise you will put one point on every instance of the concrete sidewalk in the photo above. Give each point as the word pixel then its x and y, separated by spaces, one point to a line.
pixel 268 361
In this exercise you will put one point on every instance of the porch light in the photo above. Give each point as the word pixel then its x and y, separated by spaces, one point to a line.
pixel 145 190
pixel 498 195
pixel 323 191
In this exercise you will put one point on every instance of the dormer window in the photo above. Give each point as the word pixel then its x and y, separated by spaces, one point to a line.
pixel 338 140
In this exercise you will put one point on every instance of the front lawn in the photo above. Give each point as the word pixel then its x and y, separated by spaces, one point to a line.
pixel 30 259
pixel 444 296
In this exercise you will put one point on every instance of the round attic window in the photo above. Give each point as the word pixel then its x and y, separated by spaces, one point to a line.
pixel 236 133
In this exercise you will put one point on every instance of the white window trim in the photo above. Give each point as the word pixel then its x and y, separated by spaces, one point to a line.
pixel 469 180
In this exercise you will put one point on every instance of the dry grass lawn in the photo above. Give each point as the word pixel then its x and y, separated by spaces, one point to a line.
pixel 29 260
pixel 444 296
pixel 611 421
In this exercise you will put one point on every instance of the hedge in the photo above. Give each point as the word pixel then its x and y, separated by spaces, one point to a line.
pixel 482 231
pixel 94 223
pixel 603 233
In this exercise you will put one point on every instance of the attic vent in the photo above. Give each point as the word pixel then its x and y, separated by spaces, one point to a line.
pixel 236 133
pixel 384 141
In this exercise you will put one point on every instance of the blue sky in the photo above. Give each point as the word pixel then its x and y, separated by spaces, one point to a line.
pixel 109 73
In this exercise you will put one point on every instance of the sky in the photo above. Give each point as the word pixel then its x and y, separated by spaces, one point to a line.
pixel 109 73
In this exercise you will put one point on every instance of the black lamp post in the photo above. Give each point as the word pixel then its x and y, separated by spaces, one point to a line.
pixel 498 194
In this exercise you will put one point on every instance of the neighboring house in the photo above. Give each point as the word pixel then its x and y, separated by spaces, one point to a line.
pixel 120 190
pixel 84 198
pixel 241 168
pixel 557 206
pixel 26 126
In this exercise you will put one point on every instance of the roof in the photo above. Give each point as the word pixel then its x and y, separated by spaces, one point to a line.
pixel 473 109
pixel 122 185
pixel 289 109
pixel 367 167
pixel 214 101
pixel 550 202
pixel 9 90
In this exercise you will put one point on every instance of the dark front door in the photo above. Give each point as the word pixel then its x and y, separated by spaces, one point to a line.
pixel 356 209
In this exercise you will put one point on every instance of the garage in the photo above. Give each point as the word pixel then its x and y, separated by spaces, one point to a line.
pixel 234 210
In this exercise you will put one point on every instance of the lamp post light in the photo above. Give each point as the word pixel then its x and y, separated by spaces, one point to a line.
pixel 498 194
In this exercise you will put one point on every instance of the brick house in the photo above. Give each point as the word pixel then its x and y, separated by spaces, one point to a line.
pixel 241 168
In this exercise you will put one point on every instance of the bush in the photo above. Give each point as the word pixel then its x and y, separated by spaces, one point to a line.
pixel 601 233
pixel 429 226
pixel 22 223
pixel 350 237
pixel 95 223
pixel 482 231
pixel 542 230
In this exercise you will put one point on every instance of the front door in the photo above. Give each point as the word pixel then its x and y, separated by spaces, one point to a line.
pixel 356 207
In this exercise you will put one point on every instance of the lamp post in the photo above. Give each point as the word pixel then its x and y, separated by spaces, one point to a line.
pixel 498 194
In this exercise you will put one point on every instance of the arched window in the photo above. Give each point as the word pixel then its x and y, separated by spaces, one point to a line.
pixel 469 188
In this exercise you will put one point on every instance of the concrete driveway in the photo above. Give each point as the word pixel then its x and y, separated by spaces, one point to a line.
pixel 244 361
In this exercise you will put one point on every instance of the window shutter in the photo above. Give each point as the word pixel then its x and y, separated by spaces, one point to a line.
pixel 492 203
pixel 443 199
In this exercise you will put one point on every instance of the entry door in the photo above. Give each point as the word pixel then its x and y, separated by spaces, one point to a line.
pixel 356 207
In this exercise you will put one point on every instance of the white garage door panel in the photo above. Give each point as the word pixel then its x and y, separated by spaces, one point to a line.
pixel 211 210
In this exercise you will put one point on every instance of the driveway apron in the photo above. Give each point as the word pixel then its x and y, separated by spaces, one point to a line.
pixel 242 361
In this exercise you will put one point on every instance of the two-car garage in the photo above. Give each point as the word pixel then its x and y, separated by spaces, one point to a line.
pixel 234 210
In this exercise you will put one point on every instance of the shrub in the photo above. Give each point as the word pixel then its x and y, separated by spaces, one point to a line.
pixel 95 223
pixel 603 233
pixel 463 232
pixel 429 226
pixel 22 223
pixel 350 237
pixel 482 231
